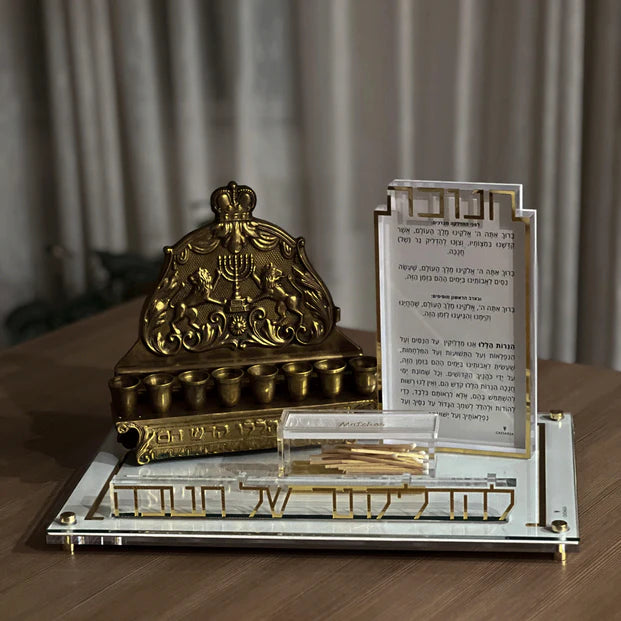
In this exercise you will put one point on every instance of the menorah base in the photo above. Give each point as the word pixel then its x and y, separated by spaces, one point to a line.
pixel 216 428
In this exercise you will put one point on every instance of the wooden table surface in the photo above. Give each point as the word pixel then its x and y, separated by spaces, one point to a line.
pixel 54 414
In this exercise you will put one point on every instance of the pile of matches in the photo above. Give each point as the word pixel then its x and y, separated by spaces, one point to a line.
pixel 372 458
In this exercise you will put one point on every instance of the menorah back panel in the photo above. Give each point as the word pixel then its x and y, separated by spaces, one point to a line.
pixel 238 292
pixel 237 283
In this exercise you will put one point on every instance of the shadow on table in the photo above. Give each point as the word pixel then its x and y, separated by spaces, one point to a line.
pixel 71 441
pixel 53 418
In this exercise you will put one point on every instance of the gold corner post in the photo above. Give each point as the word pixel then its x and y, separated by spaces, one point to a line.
pixel 68 518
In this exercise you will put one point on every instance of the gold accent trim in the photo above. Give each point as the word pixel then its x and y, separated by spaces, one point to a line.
pixel 481 214
pixel 103 491
pixel 67 518
pixel 440 214
pixel 455 191
pixel 508 509
pixel 426 503
pixel 68 545
pixel 542 505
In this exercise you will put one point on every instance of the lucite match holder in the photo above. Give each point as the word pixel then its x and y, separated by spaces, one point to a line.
pixel 353 444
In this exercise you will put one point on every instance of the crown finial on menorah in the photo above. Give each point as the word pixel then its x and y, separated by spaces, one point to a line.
pixel 233 202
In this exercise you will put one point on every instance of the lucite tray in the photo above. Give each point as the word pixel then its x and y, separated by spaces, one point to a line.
pixel 476 503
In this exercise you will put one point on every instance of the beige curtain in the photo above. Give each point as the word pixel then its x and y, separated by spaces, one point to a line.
pixel 120 116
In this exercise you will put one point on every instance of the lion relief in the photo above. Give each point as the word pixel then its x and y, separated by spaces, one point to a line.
pixel 272 288
pixel 201 288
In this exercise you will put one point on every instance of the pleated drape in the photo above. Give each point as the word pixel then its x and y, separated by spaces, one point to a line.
pixel 599 318
pixel 141 107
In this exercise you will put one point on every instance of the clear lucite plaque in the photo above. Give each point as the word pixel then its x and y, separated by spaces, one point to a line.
pixel 456 303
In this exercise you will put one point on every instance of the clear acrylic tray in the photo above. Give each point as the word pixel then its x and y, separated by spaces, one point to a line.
pixel 472 502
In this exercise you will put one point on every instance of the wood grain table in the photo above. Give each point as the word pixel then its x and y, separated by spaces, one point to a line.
pixel 54 415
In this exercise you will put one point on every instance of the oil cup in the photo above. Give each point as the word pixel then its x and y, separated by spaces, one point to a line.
pixel 331 374
pixel 228 384
pixel 263 381
pixel 124 393
pixel 298 378
pixel 194 388
pixel 159 388
pixel 365 374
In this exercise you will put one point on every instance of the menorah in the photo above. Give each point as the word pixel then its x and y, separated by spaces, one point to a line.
pixel 236 268
pixel 224 321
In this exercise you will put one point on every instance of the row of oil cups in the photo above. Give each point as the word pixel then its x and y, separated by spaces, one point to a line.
pixel 228 382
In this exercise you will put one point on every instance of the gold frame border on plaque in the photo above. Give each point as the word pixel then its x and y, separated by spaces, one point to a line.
pixel 528 451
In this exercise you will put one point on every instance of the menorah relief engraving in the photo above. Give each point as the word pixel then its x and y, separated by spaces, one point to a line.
pixel 237 282
pixel 236 268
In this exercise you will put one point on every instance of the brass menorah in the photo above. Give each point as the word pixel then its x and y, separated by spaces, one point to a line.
pixel 236 268
pixel 228 339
